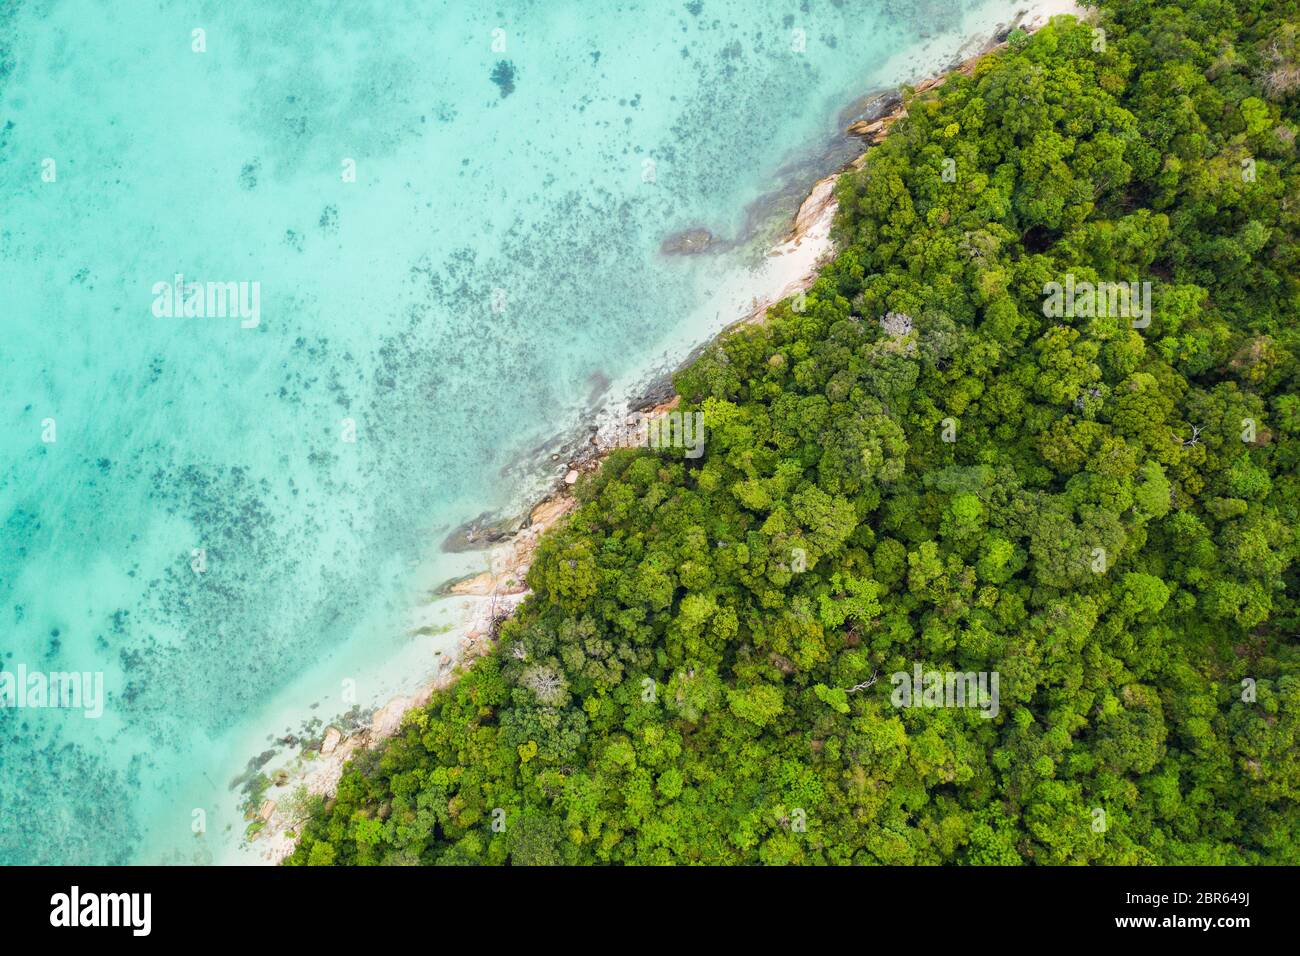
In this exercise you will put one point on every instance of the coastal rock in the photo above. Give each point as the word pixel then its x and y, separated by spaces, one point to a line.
pixel 688 242
pixel 546 513
pixel 267 808
pixel 572 477
pixel 656 393
pixel 664 407
pixel 871 107
pixel 510 561
pixel 332 738
pixel 480 585
pixel 875 131
pixel 819 200
pixel 388 718
pixel 483 532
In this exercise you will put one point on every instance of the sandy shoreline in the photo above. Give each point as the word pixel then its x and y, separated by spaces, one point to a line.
pixel 495 592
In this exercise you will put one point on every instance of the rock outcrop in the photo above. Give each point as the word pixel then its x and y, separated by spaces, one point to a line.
pixel 689 242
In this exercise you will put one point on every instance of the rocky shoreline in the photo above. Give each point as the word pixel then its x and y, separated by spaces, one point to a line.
pixel 510 544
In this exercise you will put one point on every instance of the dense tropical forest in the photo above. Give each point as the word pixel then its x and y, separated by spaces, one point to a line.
pixel 924 463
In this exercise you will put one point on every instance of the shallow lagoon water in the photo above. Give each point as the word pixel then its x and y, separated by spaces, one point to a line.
pixel 460 305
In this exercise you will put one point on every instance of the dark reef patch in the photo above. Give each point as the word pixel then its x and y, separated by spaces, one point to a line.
pixel 96 797
pixel 503 75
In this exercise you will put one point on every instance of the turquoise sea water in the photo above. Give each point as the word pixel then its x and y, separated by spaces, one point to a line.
pixel 457 307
